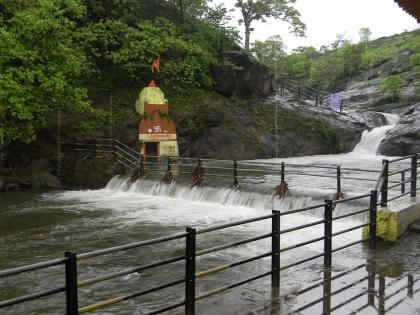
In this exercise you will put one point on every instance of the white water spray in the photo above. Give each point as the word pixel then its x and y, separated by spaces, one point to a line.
pixel 371 140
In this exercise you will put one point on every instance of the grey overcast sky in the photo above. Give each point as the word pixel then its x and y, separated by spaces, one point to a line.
pixel 325 18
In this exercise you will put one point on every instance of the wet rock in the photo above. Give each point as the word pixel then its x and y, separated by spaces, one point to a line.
pixel 45 179
pixel 404 139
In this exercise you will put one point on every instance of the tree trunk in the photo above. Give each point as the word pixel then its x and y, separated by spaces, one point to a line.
pixel 181 8
pixel 247 35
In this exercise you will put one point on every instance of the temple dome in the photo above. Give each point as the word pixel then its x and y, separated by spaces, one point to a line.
pixel 150 94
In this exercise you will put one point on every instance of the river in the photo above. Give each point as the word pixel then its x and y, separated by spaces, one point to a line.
pixel 39 225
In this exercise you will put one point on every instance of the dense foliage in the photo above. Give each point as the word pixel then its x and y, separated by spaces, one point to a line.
pixel 61 54
pixel 331 67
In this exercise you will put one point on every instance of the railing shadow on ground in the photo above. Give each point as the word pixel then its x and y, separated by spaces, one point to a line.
pixel 362 288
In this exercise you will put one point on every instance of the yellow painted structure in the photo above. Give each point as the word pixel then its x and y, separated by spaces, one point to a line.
pixel 386 225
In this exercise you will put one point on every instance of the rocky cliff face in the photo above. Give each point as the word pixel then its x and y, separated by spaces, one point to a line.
pixel 242 77
pixel 404 139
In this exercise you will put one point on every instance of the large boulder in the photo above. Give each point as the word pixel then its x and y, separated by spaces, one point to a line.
pixel 45 179
pixel 404 139
pixel 242 77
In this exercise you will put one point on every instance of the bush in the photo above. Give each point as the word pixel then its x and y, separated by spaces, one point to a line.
pixel 391 84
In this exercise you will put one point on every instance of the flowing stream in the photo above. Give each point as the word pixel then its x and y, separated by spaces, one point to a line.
pixel 36 226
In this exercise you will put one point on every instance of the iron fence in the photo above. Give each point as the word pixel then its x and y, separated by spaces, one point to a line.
pixel 70 260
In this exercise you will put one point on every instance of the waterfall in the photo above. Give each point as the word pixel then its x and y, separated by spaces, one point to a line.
pixel 224 196
pixel 370 141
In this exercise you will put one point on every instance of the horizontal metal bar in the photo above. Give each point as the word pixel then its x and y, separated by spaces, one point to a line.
pixel 168 308
pixel 302 209
pixel 400 171
pixel 401 158
pixel 258 170
pixel 31 297
pixel 219 290
pixel 350 244
pixel 301 261
pixel 219 168
pixel 351 198
pixel 309 174
pixel 230 245
pixel 350 214
pixel 129 271
pixel 303 226
pixel 400 183
pixel 360 170
pixel 289 165
pixel 402 195
pixel 358 178
pixel 228 266
pixel 236 223
pixel 218 175
pixel 119 299
pixel 130 246
pixel 284 249
pixel 350 229
pixel 41 265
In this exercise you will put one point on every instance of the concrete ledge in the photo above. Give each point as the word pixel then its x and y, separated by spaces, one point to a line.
pixel 394 221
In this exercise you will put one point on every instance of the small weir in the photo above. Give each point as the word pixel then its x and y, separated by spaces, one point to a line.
pixel 129 251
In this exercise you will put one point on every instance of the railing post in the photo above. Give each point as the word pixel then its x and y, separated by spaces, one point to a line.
pixel 275 249
pixel 317 97
pixel 190 271
pixel 413 175
pixel 72 304
pixel 384 191
pixel 402 182
pixel 235 174
pixel 372 216
pixel 298 89
pixel 338 182
pixel 282 172
pixel 282 87
pixel 327 233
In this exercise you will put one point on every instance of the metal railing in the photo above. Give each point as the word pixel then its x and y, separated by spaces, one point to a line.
pixel 398 168
pixel 303 91
pixel 191 275
pixel 394 174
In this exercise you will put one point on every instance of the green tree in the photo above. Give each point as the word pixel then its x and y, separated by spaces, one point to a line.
pixel 260 10
pixel 271 52
pixel 364 34
pixel 41 65
pixel 391 84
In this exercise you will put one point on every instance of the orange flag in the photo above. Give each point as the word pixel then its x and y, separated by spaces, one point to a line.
pixel 156 64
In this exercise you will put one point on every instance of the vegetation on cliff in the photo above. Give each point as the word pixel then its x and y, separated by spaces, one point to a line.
pixel 65 54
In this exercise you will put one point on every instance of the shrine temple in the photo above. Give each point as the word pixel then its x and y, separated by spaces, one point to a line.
pixel 157 132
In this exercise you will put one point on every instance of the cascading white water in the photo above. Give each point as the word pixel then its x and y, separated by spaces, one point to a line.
pixel 370 141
